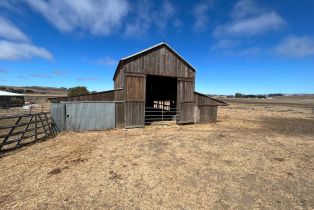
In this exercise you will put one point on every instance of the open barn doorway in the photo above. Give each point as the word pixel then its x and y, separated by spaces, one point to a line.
pixel 161 99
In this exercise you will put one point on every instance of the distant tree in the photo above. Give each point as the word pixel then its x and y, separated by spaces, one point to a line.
pixel 29 91
pixel 238 95
pixel 77 91
pixel 275 94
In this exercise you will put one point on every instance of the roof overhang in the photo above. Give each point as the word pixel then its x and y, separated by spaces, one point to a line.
pixel 220 103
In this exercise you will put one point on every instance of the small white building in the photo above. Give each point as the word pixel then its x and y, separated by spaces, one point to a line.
pixel 8 99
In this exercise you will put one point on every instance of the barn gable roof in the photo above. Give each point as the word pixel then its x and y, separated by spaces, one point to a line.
pixel 125 59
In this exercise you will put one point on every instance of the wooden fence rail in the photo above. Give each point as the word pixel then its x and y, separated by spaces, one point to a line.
pixel 18 130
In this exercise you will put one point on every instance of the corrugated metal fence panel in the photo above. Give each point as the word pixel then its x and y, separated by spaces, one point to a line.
pixel 82 116
pixel 58 115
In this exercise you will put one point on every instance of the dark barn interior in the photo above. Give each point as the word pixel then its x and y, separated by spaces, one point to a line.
pixel 161 98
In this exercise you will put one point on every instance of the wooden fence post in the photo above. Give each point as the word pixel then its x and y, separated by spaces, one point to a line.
pixel 35 128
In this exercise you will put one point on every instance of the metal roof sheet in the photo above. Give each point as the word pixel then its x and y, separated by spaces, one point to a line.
pixel 5 93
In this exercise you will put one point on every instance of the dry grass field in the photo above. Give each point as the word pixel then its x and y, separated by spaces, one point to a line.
pixel 250 159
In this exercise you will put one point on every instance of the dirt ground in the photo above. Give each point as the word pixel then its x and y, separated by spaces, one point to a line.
pixel 250 159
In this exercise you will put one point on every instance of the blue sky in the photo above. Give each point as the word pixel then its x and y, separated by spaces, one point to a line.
pixel 246 46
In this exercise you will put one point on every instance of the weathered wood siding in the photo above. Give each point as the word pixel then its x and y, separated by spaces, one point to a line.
pixel 185 100
pixel 119 97
pixel 135 89
pixel 100 96
pixel 134 114
pixel 131 76
pixel 205 109
pixel 160 62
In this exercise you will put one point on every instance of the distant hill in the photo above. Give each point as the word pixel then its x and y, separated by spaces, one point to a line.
pixel 35 90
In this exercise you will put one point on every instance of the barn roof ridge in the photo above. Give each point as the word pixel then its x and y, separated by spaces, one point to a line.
pixel 150 48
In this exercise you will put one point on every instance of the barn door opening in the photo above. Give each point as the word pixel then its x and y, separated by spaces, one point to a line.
pixel 161 99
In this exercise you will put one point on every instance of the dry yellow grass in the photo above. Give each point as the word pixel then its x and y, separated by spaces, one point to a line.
pixel 249 159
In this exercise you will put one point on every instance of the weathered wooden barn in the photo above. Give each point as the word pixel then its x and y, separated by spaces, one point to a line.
pixel 8 99
pixel 156 83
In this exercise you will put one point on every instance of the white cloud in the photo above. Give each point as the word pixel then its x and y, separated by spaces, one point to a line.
pixel 88 78
pixel 251 26
pixel 3 70
pixel 251 51
pixel 200 14
pixel 250 19
pixel 294 46
pixel 11 32
pixel 148 15
pixel 15 51
pixel 40 75
pixel 225 44
pixel 107 61
pixel 100 17
pixel 59 73
pixel 142 20
pixel 164 14
pixel 246 8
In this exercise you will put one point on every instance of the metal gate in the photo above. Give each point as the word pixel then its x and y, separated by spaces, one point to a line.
pixel 82 116
pixel 159 114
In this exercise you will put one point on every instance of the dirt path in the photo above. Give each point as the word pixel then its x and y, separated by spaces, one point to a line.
pixel 249 159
